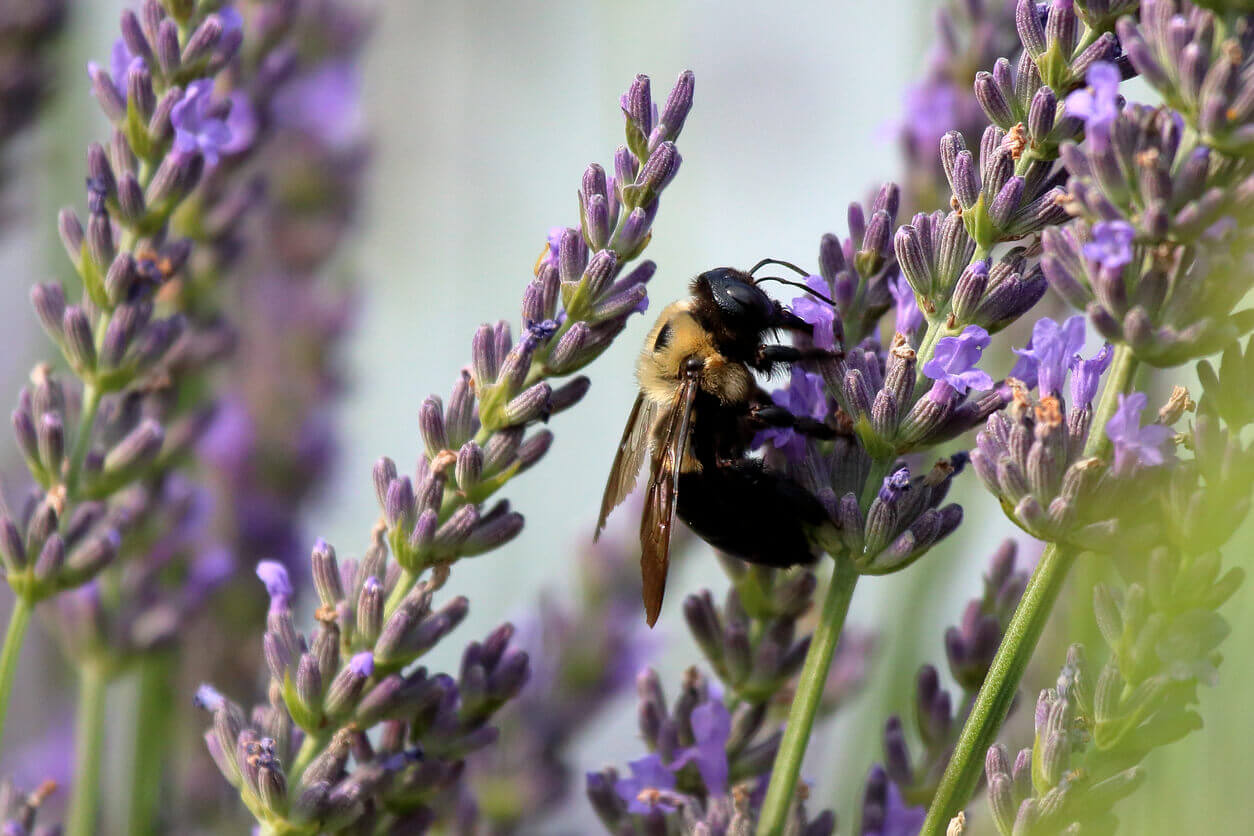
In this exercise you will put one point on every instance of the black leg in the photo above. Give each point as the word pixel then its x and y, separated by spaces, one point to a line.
pixel 750 512
pixel 773 358
pixel 764 415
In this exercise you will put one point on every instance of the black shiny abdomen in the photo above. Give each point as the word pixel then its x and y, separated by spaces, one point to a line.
pixel 750 512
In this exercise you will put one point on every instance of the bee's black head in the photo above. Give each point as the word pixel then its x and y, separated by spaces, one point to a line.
pixel 738 301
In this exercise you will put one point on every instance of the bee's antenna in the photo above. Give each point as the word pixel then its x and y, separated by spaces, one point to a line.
pixel 806 288
pixel 787 264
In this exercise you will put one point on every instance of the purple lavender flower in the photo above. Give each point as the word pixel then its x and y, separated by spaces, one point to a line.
pixel 1044 361
pixel 817 313
pixel 1098 103
pixel 1111 245
pixel 1086 374
pixel 803 396
pixel 711 726
pixel 198 125
pixel 908 317
pixel 647 788
pixel 1133 444
pixel 278 584
pixel 953 362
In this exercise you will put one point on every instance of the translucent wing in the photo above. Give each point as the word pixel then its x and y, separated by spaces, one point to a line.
pixel 659 502
pixel 628 459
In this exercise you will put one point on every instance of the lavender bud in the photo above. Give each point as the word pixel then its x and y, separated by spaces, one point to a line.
pixel 370 610
pixel 459 418
pixel 80 347
pixel 531 405
pixel 383 473
pixel 167 47
pixel 49 303
pixel 136 450
pixel 12 547
pixel 50 439
pixel 326 573
pixel 347 686
pixel 309 682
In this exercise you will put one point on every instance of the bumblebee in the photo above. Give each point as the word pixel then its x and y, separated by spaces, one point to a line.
pixel 698 409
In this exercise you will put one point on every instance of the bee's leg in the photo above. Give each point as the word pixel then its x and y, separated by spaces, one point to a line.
pixel 750 512
pixel 768 415
pixel 772 358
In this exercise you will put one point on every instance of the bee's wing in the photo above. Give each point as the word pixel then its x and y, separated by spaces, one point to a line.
pixel 659 501
pixel 628 459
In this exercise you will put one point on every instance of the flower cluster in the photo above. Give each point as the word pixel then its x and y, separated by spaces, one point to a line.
pixel 705 772
pixel 1035 457
pixel 356 672
pixel 290 763
pixel 1132 259
pixel 119 422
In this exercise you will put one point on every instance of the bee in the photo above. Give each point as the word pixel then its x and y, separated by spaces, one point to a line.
pixel 698 409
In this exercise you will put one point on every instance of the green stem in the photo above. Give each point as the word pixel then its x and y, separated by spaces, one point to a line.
pixel 82 438
pixel 1024 631
pixel 89 743
pixel 19 620
pixel 313 744
pixel 153 726
pixel 403 584
pixel 1118 379
pixel 805 704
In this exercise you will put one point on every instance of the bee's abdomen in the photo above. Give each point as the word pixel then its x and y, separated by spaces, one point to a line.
pixel 750 512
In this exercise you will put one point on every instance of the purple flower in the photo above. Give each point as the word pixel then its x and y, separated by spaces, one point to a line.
pixel 818 313
pixel 278 584
pixel 908 316
pixel 1133 443
pixel 953 361
pixel 324 104
pixel 197 124
pixel 803 396
pixel 711 726
pixel 641 791
pixel 1097 104
pixel 1111 246
pixel 1085 375
pixel 1047 356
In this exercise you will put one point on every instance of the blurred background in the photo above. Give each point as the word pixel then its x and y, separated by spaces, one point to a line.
pixel 481 118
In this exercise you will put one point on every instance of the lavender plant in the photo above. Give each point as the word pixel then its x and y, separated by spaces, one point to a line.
pixel 164 203
pixel 291 762
pixel 1153 256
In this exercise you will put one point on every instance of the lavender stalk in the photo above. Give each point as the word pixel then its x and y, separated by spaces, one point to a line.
pixel 290 764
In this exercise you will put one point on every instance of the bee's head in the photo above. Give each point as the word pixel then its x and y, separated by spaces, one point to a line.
pixel 736 298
